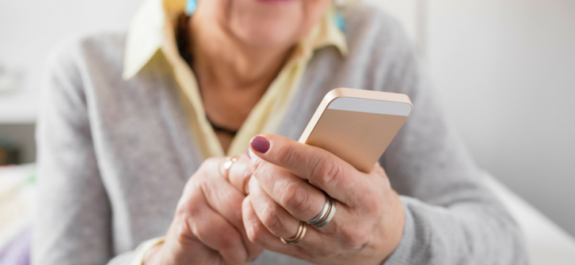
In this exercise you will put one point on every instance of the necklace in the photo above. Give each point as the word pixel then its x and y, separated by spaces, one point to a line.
pixel 223 129
pixel 183 42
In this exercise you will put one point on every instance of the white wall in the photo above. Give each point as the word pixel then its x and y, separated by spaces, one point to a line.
pixel 506 72
pixel 30 29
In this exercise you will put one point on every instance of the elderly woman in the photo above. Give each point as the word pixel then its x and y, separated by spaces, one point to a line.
pixel 136 128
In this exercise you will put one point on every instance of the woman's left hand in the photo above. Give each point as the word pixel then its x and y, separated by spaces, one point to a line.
pixel 286 187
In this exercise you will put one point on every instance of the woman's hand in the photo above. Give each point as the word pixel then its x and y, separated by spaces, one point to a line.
pixel 208 226
pixel 287 186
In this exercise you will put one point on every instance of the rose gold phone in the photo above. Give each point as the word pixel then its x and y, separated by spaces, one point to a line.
pixel 357 125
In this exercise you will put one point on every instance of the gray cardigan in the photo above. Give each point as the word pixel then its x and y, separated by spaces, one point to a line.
pixel 115 154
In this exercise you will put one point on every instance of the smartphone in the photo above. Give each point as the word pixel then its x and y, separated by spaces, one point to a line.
pixel 357 125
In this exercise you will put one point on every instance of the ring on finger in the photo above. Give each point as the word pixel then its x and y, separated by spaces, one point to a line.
pixel 323 212
pixel 228 164
pixel 302 228
pixel 327 213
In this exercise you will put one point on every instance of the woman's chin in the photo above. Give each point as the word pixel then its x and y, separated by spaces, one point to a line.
pixel 268 22
pixel 269 37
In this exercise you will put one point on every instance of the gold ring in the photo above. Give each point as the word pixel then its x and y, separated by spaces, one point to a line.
pixel 228 164
pixel 298 236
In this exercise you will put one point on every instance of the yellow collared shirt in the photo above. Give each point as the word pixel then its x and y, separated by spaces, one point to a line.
pixel 152 31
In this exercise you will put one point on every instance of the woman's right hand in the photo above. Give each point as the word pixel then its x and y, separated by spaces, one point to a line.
pixel 208 227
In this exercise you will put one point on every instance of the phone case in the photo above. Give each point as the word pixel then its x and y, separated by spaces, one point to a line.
pixel 357 125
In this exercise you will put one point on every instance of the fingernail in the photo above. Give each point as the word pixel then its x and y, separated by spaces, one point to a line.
pixel 260 144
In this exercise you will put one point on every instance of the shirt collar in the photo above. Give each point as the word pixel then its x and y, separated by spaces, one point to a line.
pixel 147 34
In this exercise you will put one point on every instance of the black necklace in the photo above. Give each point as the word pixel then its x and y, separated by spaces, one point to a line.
pixel 223 129
pixel 183 47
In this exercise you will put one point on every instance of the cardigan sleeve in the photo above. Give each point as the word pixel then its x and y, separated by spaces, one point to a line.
pixel 451 217
pixel 74 216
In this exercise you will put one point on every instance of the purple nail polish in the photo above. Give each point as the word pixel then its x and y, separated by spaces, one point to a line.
pixel 260 144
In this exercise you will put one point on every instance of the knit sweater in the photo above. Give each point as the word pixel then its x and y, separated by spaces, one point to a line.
pixel 115 154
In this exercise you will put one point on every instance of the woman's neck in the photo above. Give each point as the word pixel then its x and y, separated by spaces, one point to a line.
pixel 232 77
pixel 223 62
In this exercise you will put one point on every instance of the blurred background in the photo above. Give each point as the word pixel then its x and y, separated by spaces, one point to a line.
pixel 504 71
